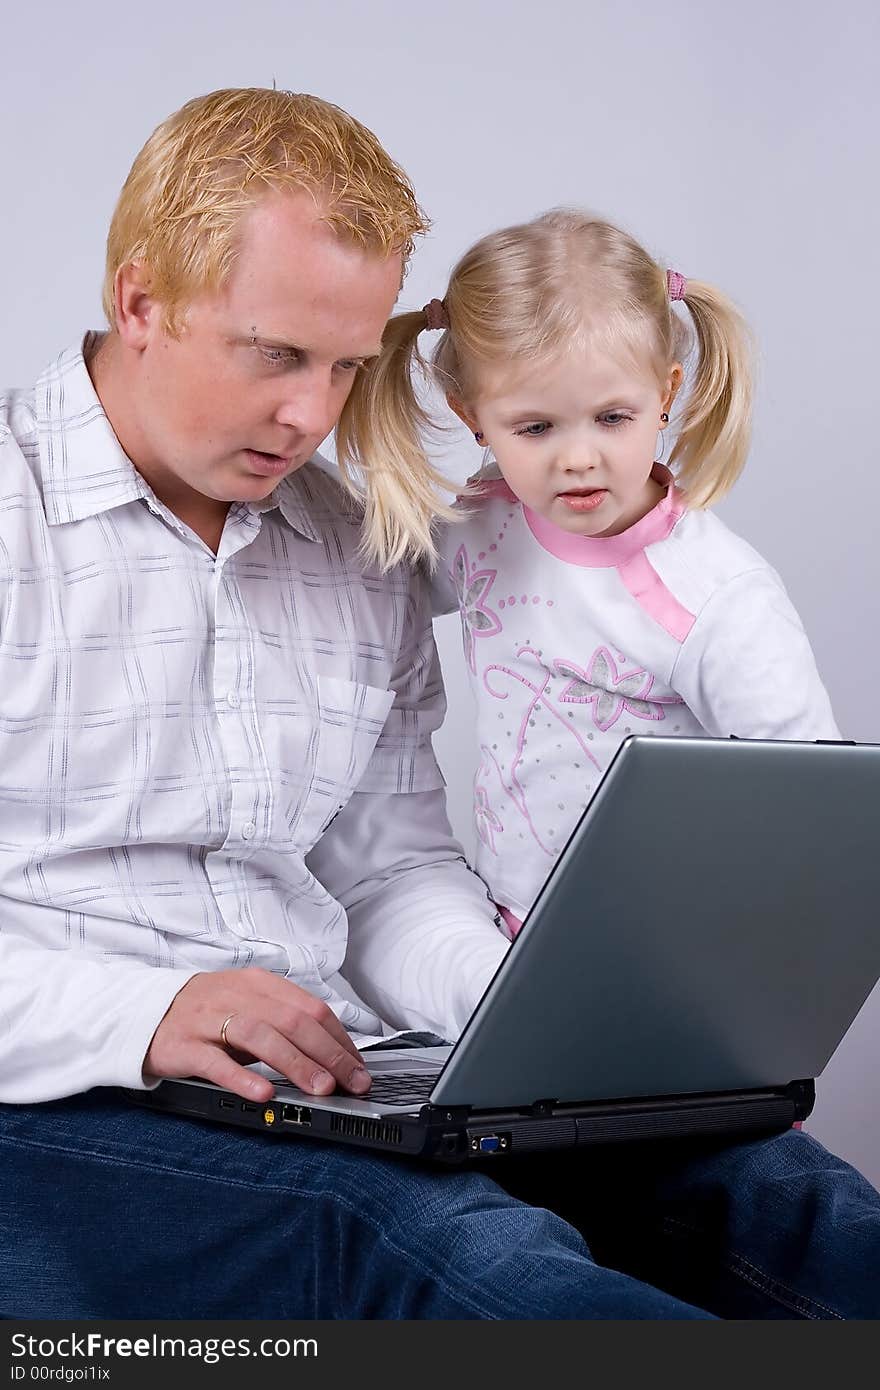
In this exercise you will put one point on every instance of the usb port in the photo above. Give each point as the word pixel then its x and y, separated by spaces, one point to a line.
pixel 227 1104
pixel 296 1114
pixel 249 1109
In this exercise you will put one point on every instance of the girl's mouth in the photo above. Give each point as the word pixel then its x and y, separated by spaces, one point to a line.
pixel 584 501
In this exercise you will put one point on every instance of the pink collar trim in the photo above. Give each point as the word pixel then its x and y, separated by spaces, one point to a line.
pixel 608 552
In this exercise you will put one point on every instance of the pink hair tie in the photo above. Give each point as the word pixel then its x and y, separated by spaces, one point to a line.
pixel 676 285
pixel 436 315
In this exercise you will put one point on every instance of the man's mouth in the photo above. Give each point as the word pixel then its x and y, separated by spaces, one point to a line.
pixel 269 465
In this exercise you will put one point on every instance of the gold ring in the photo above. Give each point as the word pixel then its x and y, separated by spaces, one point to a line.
pixel 223 1038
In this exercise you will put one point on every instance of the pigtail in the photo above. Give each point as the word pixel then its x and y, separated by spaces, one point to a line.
pixel 713 437
pixel 379 434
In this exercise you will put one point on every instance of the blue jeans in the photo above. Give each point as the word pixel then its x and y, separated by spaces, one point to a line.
pixel 110 1211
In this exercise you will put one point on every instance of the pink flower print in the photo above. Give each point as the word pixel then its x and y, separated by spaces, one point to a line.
pixel 610 692
pixel 476 619
pixel 485 819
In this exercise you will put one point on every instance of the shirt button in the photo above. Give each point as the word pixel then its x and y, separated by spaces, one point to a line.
pixel 233 700
pixel 248 830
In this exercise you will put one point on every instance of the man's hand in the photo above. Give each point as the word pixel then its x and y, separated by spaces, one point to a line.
pixel 267 1020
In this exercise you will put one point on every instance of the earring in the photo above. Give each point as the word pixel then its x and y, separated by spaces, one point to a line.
pixel 478 436
pixel 661 438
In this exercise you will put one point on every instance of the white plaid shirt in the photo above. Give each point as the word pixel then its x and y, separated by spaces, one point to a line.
pixel 207 761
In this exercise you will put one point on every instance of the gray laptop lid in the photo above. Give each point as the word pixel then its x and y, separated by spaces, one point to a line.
pixel 712 924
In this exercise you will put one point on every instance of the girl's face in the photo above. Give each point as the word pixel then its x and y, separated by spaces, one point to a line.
pixel 575 438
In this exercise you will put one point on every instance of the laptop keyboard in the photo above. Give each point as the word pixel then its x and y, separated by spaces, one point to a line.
pixel 402 1087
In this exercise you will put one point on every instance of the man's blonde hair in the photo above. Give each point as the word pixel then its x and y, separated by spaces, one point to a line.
pixel 203 167
pixel 529 293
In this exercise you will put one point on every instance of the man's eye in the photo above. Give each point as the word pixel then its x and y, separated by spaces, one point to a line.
pixel 276 357
pixel 534 430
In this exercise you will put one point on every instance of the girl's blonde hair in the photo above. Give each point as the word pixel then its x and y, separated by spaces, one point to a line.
pixel 530 292
pixel 201 169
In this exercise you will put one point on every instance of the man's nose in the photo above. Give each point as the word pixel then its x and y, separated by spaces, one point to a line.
pixel 309 404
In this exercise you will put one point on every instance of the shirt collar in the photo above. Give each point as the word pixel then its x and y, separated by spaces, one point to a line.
pixel 606 552
pixel 300 502
pixel 85 469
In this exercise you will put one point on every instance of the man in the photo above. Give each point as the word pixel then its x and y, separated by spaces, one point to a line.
pixel 217 792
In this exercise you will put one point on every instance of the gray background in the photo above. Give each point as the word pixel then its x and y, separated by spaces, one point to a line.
pixel 738 141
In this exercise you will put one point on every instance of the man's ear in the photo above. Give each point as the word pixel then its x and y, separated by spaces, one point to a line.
pixel 463 413
pixel 137 312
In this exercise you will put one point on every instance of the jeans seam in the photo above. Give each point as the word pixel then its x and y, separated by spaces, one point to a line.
pixel 743 1268
pixel 350 1207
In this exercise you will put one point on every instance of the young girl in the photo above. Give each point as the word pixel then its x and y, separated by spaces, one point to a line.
pixel 598 596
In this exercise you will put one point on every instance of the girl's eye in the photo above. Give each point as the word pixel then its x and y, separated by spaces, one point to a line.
pixel 534 430
pixel 350 364
pixel 613 418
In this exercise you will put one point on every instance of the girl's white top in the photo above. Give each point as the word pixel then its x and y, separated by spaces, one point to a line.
pixel 675 627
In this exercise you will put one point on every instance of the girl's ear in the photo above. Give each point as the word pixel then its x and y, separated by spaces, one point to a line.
pixel 463 413
pixel 673 385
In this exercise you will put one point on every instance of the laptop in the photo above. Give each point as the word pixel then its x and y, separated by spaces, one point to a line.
pixel 707 936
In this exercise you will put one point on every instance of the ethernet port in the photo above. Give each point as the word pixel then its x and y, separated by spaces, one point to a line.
pixel 296 1115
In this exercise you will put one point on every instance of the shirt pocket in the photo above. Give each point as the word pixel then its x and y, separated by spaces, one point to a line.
pixel 349 719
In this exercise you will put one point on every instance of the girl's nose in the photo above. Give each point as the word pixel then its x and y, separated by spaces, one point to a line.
pixel 579 456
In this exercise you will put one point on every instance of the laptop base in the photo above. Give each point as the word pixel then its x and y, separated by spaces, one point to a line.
pixel 462 1135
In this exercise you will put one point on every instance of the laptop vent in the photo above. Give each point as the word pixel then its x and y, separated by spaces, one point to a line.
pixel 357 1127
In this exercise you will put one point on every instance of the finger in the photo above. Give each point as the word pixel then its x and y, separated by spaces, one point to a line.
pixel 213 1063
pixel 281 991
pixel 303 1051
pixel 338 1031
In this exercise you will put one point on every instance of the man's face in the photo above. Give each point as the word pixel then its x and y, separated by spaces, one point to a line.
pixel 262 369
